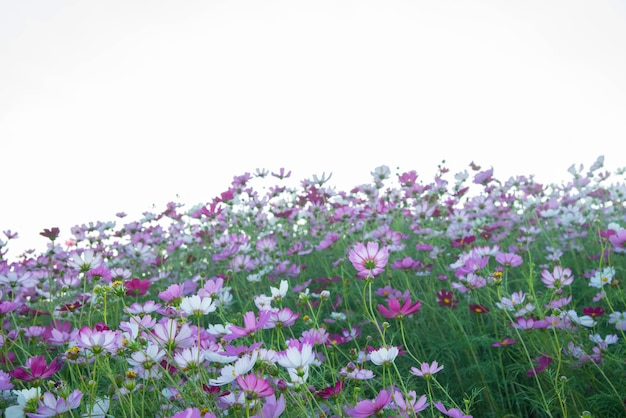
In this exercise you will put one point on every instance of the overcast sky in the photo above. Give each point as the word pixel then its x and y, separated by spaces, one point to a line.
pixel 119 105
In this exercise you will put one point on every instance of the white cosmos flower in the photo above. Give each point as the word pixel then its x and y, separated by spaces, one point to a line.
pixel 293 357
pixel 189 358
pixel 100 408
pixel 602 277
pixel 381 173
pixel 23 396
pixel 85 262
pixel 280 292
pixel 384 355
pixel 195 305
pixel 585 320
pixel 299 376
pixel 263 302
pixel 230 372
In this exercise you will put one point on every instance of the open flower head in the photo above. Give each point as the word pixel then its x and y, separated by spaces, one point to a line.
pixel 426 370
pixel 368 259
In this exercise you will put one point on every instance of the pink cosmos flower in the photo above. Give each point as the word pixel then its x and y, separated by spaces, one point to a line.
pixel 100 273
pixel 212 288
pixel 284 317
pixel 36 368
pixel 557 279
pixel 452 412
pixel 407 263
pixel 60 333
pixel 483 177
pixel 504 342
pixel 394 310
pixel 559 303
pixel 173 293
pixel 99 340
pixel 6 307
pixel 509 259
pixel 619 241
pixel 426 370
pixel 5 381
pixel 368 259
pixel 170 336
pixel 368 407
pixel 142 309
pixel 281 173
pixel 529 323
pixel 273 408
pixel 193 413
pixel 51 406
pixel 356 373
pixel 254 387
pixel 251 325
pixel 389 292
pixel 410 406
pixel 472 264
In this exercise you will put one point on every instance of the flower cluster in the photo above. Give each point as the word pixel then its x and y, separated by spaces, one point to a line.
pixel 461 296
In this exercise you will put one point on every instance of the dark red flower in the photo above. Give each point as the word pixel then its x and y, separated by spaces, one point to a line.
pixel 446 298
pixel 463 242
pixel 479 309
pixel 71 306
pixel 52 233
pixel 593 311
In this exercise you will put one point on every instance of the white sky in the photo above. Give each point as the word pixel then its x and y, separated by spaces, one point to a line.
pixel 119 105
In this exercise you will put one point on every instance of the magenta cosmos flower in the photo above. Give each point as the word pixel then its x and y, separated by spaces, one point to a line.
pixel 395 310
pixel 36 368
pixel 137 287
pixel 543 363
pixel 368 259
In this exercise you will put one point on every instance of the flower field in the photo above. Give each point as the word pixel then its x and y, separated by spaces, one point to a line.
pixel 458 296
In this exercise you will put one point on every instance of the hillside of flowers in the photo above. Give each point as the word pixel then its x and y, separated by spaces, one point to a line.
pixel 458 296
